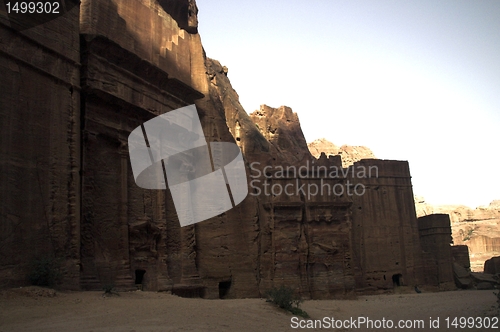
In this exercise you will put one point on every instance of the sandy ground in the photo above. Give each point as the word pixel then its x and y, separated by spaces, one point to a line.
pixel 37 309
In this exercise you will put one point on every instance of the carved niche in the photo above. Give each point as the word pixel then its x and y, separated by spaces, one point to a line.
pixel 144 237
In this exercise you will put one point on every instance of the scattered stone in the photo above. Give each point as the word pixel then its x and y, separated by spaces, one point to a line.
pixel 35 291
pixel 462 276
pixel 484 286
pixel 483 277
pixel 492 265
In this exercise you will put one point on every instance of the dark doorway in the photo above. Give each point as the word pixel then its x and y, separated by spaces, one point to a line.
pixel 139 276
pixel 397 279
pixel 224 287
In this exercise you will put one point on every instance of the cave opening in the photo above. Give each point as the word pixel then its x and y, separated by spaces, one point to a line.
pixel 139 276
pixel 397 279
pixel 224 287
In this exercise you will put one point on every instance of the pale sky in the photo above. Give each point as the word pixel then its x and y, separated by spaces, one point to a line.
pixel 412 80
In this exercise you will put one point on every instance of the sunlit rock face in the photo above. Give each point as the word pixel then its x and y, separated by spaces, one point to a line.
pixel 281 127
pixel 68 191
pixel 350 154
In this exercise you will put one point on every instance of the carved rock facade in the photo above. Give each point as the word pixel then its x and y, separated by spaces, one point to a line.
pixel 72 91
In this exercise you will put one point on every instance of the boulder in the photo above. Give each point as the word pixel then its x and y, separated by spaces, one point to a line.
pixel 492 265
pixel 484 286
pixel 483 277
pixel 462 276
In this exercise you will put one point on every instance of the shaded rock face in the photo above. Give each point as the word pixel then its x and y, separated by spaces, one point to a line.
pixel 39 147
pixel 349 154
pixel 435 236
pixel 226 101
pixel 460 255
pixel 462 276
pixel 492 265
pixel 477 228
pixel 68 190
pixel 185 13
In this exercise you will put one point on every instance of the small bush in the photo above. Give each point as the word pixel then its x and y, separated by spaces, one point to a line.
pixel 45 271
pixel 299 312
pixel 466 236
pixel 285 298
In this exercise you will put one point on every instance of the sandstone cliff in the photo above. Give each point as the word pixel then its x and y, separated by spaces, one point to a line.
pixel 226 101
pixel 350 154
pixel 269 135
pixel 281 127
pixel 68 190
pixel 459 213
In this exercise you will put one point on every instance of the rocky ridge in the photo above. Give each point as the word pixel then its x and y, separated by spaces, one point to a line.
pixel 281 127
pixel 349 154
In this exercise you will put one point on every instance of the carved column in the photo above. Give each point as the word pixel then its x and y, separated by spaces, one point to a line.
pixel 124 275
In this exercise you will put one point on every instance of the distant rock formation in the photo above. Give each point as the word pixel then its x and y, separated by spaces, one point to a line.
pixel 349 154
pixel 495 204
pixel 323 145
pixel 478 228
pixel 459 213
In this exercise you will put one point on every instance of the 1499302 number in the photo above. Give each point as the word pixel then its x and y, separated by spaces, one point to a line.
pixel 472 322
pixel 32 7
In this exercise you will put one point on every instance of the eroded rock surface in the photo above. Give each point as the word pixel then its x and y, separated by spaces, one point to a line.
pixel 281 127
pixel 349 154
pixel 68 190
pixel 459 213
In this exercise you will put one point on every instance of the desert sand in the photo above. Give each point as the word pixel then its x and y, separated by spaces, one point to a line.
pixel 39 309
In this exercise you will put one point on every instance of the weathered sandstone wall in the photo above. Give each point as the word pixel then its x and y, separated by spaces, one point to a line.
pixel 77 86
pixel 435 237
pixel 39 146
pixel 385 231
